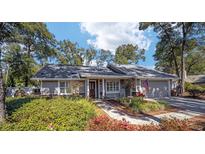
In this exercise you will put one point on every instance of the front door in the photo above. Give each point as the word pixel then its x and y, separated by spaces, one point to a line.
pixel 92 89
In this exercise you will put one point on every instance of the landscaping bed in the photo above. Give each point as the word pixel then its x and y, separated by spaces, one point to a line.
pixel 105 123
pixel 141 105
pixel 48 114
pixel 198 123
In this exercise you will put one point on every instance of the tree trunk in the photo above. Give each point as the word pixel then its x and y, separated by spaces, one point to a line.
pixel 2 104
pixel 182 58
pixel 27 78
pixel 175 62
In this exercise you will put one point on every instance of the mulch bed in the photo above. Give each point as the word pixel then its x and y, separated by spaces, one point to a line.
pixel 170 109
pixel 198 122
pixel 127 110
pixel 187 95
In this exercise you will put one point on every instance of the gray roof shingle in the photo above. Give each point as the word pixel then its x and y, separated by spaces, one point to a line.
pixel 139 71
pixel 71 72
pixel 60 71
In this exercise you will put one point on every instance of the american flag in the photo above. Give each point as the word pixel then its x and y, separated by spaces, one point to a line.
pixel 146 84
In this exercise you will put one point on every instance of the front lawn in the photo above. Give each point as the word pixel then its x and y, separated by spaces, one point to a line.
pixel 139 104
pixel 48 114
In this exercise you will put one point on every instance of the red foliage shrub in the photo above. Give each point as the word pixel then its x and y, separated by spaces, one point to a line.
pixel 174 125
pixel 104 123
pixel 139 94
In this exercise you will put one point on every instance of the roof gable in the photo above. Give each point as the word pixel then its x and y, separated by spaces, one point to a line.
pixel 139 71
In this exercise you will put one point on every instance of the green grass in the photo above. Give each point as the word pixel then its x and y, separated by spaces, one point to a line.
pixel 48 114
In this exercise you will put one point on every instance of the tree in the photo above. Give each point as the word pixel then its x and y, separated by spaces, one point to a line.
pixel 166 49
pixel 89 55
pixel 128 54
pixel 38 44
pixel 103 57
pixel 176 41
pixel 189 32
pixel 14 62
pixel 70 53
pixel 195 61
pixel 12 58
pixel 7 34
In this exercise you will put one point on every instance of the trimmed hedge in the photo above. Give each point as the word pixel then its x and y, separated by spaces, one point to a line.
pixel 48 114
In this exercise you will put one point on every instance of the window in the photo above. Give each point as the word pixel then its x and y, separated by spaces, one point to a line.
pixel 113 86
pixel 64 87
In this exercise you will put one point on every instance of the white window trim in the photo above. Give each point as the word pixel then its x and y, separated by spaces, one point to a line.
pixel 67 85
pixel 112 92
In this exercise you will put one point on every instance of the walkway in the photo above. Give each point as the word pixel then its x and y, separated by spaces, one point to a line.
pixel 116 113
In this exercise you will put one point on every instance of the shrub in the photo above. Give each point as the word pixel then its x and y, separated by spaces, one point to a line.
pixel 20 92
pixel 194 90
pixel 48 114
pixel 187 86
pixel 150 106
pixel 138 104
pixel 174 125
pixel 124 100
pixel 104 123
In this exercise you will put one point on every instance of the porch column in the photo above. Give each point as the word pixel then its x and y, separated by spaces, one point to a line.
pixel 138 85
pixel 87 89
pixel 41 89
pixel 98 88
pixel 103 88
pixel 169 88
pixel 58 87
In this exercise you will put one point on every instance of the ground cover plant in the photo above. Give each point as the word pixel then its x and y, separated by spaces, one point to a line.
pixel 139 104
pixel 48 114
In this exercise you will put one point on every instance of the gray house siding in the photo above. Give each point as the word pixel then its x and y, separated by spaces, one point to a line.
pixel 79 87
pixel 49 87
pixel 71 87
pixel 157 88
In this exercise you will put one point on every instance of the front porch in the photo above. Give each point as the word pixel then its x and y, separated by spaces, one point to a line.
pixel 103 88
pixel 100 88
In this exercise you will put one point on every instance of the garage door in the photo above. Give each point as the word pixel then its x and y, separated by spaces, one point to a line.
pixel 155 88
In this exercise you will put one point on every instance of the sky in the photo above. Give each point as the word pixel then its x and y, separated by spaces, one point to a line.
pixel 107 35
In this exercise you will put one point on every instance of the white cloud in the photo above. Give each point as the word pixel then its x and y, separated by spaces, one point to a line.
pixel 109 35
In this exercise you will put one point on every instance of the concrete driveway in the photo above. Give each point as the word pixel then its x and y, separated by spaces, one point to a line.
pixel 191 105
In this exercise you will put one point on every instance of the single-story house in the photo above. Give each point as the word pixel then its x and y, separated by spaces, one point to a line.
pixel 196 79
pixel 113 81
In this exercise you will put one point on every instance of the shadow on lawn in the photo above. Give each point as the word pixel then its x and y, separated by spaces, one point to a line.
pixel 15 103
